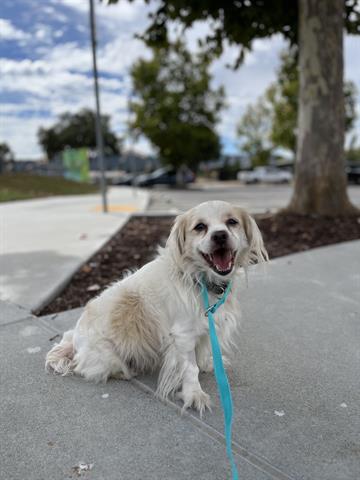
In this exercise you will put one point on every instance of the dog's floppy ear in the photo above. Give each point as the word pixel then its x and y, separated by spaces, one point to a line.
pixel 256 252
pixel 177 235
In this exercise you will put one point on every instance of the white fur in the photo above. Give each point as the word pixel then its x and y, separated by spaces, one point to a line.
pixel 155 317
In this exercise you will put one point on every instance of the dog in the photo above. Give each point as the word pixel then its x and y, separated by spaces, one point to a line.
pixel 154 318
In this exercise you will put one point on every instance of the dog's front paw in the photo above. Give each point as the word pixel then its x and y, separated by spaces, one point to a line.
pixel 196 399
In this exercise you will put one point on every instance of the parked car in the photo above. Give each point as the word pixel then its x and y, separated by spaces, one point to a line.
pixel 126 179
pixel 266 175
pixel 353 172
pixel 162 176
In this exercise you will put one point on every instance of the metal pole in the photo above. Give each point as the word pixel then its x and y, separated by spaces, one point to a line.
pixel 99 136
pixel 131 144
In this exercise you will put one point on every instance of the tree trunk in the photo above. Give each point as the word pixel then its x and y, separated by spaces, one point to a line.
pixel 320 178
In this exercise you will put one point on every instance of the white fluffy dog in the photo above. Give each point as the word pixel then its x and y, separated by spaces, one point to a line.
pixel 155 317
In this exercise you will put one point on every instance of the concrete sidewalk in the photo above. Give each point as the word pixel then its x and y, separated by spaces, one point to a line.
pixel 44 241
pixel 295 383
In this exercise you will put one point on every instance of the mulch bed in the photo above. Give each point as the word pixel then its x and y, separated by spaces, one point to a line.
pixel 137 243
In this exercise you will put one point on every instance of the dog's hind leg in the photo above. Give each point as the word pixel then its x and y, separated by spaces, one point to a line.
pixel 97 360
pixel 60 358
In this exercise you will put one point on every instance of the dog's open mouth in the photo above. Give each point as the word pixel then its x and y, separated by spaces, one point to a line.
pixel 221 260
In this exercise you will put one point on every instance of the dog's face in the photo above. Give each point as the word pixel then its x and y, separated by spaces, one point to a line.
pixel 216 237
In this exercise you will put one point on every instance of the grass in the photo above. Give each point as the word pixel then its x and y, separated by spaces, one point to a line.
pixel 22 186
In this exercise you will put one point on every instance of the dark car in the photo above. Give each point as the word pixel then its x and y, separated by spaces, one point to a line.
pixel 127 179
pixel 162 176
pixel 353 172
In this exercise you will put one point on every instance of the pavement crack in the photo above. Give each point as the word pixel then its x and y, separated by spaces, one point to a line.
pixel 20 320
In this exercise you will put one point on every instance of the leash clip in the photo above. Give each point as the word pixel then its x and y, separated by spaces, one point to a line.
pixel 210 309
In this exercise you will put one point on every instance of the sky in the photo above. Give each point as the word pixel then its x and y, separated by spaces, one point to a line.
pixel 46 69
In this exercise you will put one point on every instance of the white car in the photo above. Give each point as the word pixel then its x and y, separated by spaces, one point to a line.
pixel 265 175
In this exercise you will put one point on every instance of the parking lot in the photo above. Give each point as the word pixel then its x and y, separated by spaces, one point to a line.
pixel 255 198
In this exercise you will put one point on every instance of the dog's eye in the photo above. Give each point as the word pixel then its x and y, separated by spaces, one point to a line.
pixel 232 221
pixel 200 227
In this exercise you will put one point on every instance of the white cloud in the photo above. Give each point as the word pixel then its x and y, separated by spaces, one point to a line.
pixel 124 12
pixel 76 4
pixel 44 34
pixel 58 33
pixel 21 135
pixel 22 67
pixel 9 32
pixel 69 56
pixel 115 57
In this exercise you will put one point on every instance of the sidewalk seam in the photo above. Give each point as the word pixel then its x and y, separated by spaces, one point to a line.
pixel 19 320
pixel 256 461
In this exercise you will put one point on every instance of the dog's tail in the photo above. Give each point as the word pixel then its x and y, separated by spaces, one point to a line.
pixel 60 358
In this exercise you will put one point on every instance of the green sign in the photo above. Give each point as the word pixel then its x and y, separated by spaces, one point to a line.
pixel 76 164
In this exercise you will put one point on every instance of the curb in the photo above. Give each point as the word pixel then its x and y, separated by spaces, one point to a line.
pixel 61 286
pixel 67 278
pixel 160 213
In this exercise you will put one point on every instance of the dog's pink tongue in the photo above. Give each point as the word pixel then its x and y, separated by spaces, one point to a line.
pixel 222 260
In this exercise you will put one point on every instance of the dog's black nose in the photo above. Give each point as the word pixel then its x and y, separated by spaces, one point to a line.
pixel 220 237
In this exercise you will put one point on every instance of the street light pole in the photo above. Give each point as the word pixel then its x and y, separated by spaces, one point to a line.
pixel 99 135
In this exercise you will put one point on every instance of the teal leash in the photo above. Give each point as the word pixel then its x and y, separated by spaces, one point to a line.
pixel 219 370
